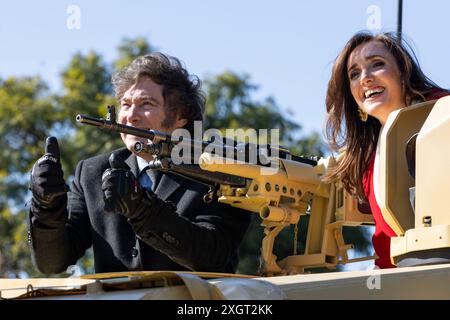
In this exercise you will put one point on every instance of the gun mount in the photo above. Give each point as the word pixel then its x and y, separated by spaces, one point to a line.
pixel 278 186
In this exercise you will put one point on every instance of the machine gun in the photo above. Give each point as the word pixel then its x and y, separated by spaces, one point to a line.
pixel 279 187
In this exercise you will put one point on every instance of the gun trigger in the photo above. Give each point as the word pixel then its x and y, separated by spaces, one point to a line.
pixel 209 197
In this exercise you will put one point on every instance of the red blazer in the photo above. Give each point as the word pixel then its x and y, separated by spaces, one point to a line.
pixel 381 239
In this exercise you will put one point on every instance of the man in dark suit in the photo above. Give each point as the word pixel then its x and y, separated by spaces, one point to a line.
pixel 134 218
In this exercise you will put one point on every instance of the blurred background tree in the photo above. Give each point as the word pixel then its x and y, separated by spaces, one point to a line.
pixel 29 113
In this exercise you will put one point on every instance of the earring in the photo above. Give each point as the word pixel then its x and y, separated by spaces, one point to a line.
pixel 362 115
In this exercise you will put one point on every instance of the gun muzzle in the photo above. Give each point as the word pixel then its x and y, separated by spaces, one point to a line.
pixel 117 127
pixel 279 214
pixel 90 120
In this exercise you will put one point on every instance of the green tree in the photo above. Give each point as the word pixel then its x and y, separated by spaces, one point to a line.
pixel 27 115
pixel 230 104
pixel 87 90
pixel 129 49
pixel 14 255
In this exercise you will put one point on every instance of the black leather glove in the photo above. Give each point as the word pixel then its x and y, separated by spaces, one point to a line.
pixel 121 190
pixel 47 177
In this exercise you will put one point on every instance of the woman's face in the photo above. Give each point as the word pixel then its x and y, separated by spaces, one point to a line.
pixel 375 80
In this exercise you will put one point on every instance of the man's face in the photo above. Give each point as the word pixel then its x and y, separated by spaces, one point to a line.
pixel 142 106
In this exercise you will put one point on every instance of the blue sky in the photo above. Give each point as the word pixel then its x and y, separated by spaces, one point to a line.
pixel 286 47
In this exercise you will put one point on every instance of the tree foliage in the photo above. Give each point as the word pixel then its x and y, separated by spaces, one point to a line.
pixel 229 104
pixel 29 114
pixel 130 49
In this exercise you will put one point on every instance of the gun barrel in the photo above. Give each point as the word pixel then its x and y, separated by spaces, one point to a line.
pixel 214 163
pixel 114 126
pixel 279 214
pixel 194 172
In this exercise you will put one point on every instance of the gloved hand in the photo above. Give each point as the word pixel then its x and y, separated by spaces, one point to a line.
pixel 121 190
pixel 47 177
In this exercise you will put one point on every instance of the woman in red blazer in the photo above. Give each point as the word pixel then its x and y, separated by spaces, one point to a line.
pixel 372 76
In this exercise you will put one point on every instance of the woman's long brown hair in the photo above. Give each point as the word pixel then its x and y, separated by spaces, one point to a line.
pixel 344 129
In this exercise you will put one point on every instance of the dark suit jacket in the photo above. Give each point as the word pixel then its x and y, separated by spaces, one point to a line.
pixel 187 234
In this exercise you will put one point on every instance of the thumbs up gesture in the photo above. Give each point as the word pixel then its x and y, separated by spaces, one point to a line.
pixel 47 177
pixel 121 190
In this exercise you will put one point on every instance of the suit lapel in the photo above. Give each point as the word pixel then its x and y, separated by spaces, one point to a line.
pixel 168 184
pixel 131 161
